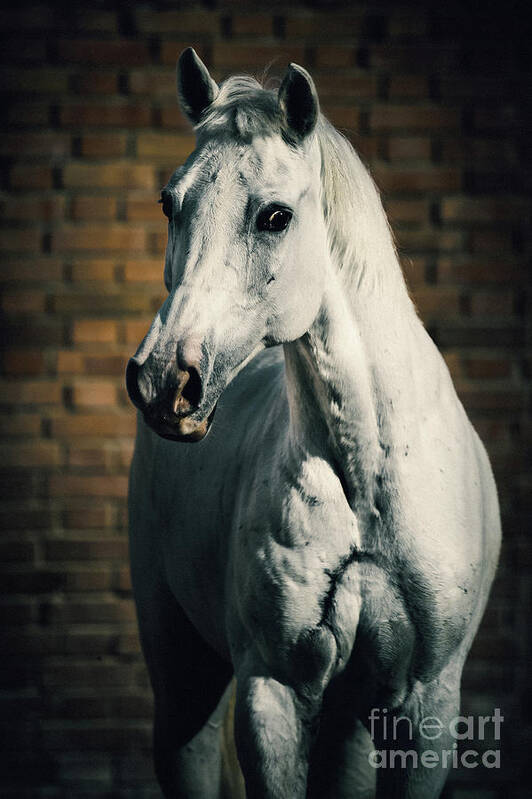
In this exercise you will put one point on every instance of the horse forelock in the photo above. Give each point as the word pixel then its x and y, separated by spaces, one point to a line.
pixel 243 109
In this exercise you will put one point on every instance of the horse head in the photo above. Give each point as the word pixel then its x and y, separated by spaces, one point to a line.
pixel 246 244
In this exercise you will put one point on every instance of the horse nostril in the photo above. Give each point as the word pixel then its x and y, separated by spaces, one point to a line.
pixel 132 384
pixel 188 392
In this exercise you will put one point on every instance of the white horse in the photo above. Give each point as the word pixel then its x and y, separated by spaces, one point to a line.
pixel 331 543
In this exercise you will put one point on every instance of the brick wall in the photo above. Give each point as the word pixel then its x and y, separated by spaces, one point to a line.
pixel 435 101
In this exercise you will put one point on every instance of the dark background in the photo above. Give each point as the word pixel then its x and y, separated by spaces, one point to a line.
pixel 436 98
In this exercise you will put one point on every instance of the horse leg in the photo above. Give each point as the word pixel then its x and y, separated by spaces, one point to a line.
pixel 414 753
pixel 275 725
pixel 189 683
pixel 339 766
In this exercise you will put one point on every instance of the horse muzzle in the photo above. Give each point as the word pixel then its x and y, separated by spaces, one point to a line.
pixel 173 412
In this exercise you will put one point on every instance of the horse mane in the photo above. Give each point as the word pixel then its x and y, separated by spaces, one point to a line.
pixel 360 238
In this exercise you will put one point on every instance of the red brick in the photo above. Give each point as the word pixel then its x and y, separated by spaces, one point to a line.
pixel 39 268
pixel 346 85
pixel 335 56
pixel 34 114
pixel 415 86
pixel 490 400
pixel 87 549
pixel 102 738
pixel 406 117
pixel 252 25
pixel 434 301
pixel 157 82
pixel 418 179
pixel 487 368
pixel 58 674
pixel 32 581
pixel 103 145
pixel 88 270
pixel 94 611
pixel 20 362
pixel 44 144
pixel 105 303
pixel 94 425
pixel 182 21
pixel 415 239
pixel 493 303
pixel 18 612
pixel 409 148
pixel 407 210
pixel 23 301
pixel 96 21
pixel 24 424
pixel 17 551
pixel 144 209
pixel 343 116
pixel 165 148
pixel 414 270
pixel 171 49
pixel 118 114
pixel 97 236
pixel 33 177
pixel 82 457
pixel 129 643
pixel 94 394
pixel 135 330
pixel 406 22
pixel 113 365
pixel 491 241
pixel 86 516
pixel 421 56
pixel 322 24
pixel 173 117
pixel 122 175
pixel 34 209
pixel 89 331
pixel 471 210
pixel 94 82
pixel 45 80
pixel 123 579
pixel 35 454
pixel 20 239
pixel 366 146
pixel 69 362
pixel 479 270
pixel 235 55
pixel 145 271
pixel 31 392
pixel 100 51
pixel 83 208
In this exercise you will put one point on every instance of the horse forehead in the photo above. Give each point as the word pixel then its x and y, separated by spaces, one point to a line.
pixel 230 171
pixel 263 158
pixel 271 154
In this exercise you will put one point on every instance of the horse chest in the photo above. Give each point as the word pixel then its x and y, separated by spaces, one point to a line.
pixel 291 569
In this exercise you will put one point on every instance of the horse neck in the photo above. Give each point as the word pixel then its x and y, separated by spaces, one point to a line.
pixel 355 373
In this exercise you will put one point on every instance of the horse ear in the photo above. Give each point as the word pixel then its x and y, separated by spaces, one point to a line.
pixel 195 88
pixel 298 101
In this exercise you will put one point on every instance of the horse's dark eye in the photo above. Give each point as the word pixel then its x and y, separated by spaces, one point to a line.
pixel 167 203
pixel 274 219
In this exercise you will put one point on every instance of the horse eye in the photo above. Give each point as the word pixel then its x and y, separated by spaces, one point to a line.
pixel 274 219
pixel 167 203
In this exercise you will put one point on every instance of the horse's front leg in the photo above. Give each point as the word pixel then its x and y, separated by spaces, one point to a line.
pixel 414 747
pixel 276 722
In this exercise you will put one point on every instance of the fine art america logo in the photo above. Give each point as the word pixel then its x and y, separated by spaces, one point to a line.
pixel 435 743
